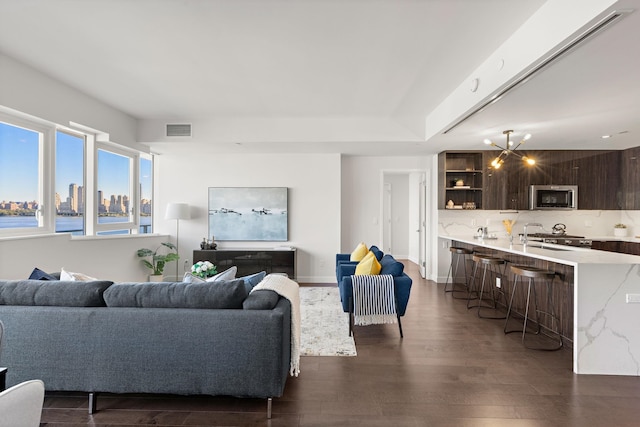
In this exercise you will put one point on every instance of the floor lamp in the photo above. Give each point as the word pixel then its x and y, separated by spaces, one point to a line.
pixel 177 211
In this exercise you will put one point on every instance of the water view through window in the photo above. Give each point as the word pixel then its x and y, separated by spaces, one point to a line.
pixel 21 182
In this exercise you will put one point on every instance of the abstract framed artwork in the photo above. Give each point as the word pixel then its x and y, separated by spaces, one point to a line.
pixel 248 213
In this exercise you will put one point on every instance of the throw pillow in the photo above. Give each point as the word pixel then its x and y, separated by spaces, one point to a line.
pixel 190 278
pixel 368 266
pixel 71 276
pixel 359 252
pixel 38 274
pixel 228 274
pixel 391 266
pixel 253 279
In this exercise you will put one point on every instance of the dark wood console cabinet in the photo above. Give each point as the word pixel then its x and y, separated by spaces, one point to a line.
pixel 251 261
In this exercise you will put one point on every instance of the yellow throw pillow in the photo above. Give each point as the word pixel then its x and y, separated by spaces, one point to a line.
pixel 359 252
pixel 368 266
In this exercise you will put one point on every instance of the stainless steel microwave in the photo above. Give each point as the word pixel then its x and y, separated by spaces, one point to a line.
pixel 553 197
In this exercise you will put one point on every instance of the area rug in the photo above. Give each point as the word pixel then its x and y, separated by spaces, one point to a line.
pixel 325 327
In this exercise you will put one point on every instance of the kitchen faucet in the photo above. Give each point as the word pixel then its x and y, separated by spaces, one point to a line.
pixel 532 224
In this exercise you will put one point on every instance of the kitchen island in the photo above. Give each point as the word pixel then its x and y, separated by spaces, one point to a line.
pixel 596 285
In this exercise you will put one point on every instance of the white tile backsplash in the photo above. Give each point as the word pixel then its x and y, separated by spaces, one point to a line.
pixel 595 223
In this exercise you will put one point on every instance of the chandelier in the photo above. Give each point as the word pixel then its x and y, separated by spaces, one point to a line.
pixel 508 150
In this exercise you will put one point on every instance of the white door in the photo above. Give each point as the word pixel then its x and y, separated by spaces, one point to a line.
pixel 423 226
pixel 387 231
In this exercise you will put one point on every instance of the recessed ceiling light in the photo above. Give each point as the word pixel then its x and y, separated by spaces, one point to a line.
pixel 606 136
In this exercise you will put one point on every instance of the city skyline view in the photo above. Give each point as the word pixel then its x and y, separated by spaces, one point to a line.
pixel 20 171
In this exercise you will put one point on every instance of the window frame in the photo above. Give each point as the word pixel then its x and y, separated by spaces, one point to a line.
pixel 94 140
pixel 45 214
pixel 86 197
pixel 133 224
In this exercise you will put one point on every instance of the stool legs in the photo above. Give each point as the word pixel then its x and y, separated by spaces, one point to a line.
pixel 453 272
pixel 491 264
pixel 531 289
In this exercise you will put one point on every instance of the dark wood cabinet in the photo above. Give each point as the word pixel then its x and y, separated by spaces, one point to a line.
pixel 622 247
pixel 250 261
pixel 460 180
pixel 606 179
pixel 630 179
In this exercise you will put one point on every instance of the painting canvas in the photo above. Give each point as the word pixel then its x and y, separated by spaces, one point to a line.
pixel 248 213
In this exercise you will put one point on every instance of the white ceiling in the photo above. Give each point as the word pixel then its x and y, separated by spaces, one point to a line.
pixel 359 60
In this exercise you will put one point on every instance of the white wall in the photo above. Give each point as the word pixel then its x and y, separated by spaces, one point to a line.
pixel 37 94
pixel 109 258
pixel 361 195
pixel 184 174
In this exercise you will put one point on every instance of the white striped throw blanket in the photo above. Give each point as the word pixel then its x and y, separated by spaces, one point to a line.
pixel 290 290
pixel 374 300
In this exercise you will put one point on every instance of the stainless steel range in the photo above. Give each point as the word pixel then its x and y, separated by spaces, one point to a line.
pixel 564 239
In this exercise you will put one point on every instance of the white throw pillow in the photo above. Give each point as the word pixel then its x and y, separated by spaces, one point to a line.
pixel 75 277
pixel 190 278
pixel 228 274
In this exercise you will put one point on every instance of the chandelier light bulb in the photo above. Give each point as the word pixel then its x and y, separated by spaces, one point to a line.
pixel 527 137
pixel 487 141
pixel 529 161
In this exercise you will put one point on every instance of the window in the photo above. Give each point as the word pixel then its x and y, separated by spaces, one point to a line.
pixel 21 175
pixel 70 191
pixel 58 179
pixel 146 195
pixel 116 213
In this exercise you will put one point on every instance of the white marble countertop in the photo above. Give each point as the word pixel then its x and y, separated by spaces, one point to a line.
pixel 555 253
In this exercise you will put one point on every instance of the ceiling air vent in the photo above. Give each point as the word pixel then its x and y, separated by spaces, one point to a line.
pixel 178 130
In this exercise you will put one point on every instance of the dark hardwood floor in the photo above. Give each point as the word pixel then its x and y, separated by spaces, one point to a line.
pixel 451 369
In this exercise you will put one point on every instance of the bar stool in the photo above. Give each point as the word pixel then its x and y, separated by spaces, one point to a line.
pixel 457 254
pixel 532 273
pixel 490 264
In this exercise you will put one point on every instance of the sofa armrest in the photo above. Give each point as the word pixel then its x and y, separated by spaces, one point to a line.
pixel 345 269
pixel 342 257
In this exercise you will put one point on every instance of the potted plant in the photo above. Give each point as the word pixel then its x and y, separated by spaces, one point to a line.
pixel 620 230
pixel 158 260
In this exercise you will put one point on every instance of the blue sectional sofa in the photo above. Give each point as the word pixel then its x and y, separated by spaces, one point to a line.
pixel 402 282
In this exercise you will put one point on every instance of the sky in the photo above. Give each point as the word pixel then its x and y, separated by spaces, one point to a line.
pixel 19 166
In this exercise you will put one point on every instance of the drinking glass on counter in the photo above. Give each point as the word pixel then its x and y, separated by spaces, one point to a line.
pixel 508 225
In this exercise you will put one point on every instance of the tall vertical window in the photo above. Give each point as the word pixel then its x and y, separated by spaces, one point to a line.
pixel 70 190
pixel 20 177
pixel 115 191
pixel 146 195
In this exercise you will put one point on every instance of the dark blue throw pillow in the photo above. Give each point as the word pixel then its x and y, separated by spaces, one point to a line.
pixel 391 266
pixel 38 274
pixel 377 252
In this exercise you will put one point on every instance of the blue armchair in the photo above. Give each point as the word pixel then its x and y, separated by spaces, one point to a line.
pixel 402 283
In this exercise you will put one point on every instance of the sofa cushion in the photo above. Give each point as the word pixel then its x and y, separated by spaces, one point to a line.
pixel 261 299
pixel 221 294
pixel 369 265
pixel 389 265
pixel 359 252
pixel 56 293
pixel 38 274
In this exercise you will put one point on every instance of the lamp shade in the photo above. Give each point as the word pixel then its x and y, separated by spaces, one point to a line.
pixel 177 211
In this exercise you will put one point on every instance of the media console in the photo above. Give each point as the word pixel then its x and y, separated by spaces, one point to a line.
pixel 249 261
